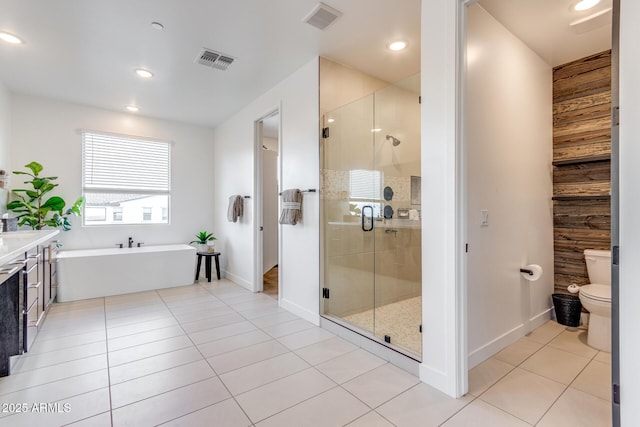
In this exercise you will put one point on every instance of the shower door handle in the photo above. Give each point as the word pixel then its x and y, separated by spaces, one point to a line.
pixel 370 218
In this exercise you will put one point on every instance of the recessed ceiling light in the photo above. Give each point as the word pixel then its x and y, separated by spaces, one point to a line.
pixel 157 26
pixel 397 45
pixel 376 130
pixel 145 74
pixel 10 38
pixel 331 120
pixel 133 108
pixel 585 4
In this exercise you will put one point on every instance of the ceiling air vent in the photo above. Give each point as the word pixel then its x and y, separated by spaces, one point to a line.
pixel 322 16
pixel 214 59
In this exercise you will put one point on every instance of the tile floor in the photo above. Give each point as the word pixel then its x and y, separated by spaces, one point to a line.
pixel 405 333
pixel 213 354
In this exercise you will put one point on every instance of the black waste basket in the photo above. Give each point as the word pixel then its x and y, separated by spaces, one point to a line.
pixel 568 309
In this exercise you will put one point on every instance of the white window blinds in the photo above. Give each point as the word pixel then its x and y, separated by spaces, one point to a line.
pixel 365 184
pixel 121 164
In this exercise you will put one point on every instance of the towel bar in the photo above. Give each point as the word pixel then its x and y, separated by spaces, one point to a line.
pixel 311 190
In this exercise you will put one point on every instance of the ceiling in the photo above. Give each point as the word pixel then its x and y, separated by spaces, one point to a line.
pixel 85 51
pixel 543 25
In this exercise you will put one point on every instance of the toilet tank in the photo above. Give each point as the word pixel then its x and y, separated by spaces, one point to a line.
pixel 598 266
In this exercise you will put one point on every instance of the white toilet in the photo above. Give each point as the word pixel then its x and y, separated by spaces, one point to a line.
pixel 596 297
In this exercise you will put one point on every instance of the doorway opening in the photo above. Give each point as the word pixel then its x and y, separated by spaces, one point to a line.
pixel 267 186
pixel 537 163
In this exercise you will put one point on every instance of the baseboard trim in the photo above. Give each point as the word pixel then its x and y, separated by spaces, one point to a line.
pixel 299 311
pixel 436 379
pixel 238 280
pixel 492 347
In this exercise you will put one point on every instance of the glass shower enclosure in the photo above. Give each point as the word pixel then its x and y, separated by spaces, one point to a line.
pixel 370 213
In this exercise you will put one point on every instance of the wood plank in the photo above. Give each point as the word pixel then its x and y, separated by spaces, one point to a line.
pixel 582 189
pixel 586 214
pixel 583 220
pixel 582 166
pixel 580 236
pixel 582 160
pixel 588 137
pixel 565 266
pixel 582 172
pixel 599 207
pixel 580 85
pixel 592 62
pixel 585 89
pixel 582 126
pixel 577 104
pixel 567 279
pixel 581 115
pixel 574 151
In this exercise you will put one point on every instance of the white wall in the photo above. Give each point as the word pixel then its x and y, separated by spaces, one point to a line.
pixel 46 131
pixel 5 138
pixel 444 363
pixel 508 149
pixel 297 99
pixel 629 208
pixel 269 209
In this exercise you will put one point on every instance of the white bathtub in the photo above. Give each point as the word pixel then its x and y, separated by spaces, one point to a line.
pixel 93 273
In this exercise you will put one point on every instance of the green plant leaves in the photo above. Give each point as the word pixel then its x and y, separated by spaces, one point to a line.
pixel 54 203
pixel 29 205
pixel 35 167
pixel 203 237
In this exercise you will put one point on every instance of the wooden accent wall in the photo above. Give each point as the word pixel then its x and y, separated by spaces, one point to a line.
pixel 582 164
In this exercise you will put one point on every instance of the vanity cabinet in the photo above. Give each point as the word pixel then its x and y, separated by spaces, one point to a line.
pixel 33 303
pixel 10 330
pixel 26 291
pixel 39 284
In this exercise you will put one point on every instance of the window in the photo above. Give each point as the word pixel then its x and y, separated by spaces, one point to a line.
pixel 94 214
pixel 365 190
pixel 117 214
pixel 365 184
pixel 146 214
pixel 124 176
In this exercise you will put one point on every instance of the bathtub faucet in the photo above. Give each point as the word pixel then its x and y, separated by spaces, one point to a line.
pixel 130 242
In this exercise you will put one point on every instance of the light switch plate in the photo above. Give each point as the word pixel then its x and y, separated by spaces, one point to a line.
pixel 484 218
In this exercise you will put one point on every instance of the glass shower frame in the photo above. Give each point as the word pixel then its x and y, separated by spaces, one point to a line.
pixel 372 265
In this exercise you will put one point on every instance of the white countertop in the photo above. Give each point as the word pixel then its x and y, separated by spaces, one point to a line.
pixel 14 243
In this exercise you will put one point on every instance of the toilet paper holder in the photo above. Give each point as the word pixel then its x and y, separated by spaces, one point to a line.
pixel 524 270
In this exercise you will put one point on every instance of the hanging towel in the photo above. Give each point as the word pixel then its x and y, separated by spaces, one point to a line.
pixel 235 208
pixel 291 206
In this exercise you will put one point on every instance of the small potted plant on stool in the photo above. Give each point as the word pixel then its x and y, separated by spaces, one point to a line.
pixel 204 242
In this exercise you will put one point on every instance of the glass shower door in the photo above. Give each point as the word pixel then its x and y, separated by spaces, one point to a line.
pixel 370 217
pixel 348 214
pixel 398 237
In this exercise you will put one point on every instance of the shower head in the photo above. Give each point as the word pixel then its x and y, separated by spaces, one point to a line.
pixel 395 140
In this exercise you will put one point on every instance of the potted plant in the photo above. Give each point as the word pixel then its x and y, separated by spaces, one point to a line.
pixel 33 210
pixel 204 241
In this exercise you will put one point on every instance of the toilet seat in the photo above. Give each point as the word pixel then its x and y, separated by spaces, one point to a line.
pixel 596 292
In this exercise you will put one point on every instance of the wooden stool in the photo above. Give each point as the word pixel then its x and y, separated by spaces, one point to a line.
pixel 207 264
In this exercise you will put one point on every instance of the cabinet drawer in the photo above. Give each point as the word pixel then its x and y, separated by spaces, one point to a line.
pixel 32 257
pixel 32 295
pixel 31 326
